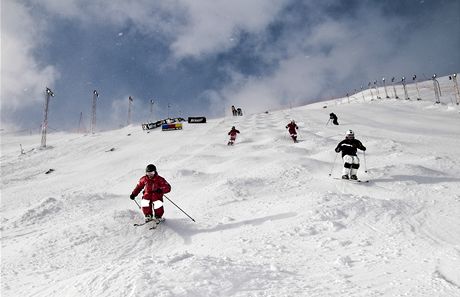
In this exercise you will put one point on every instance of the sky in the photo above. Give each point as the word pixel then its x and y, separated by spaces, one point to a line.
pixel 197 58
pixel 270 217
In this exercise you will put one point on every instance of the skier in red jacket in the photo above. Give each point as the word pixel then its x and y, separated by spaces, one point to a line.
pixel 232 134
pixel 292 127
pixel 154 187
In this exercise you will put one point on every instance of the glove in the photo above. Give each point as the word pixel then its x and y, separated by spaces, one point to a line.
pixel 337 150
pixel 364 148
pixel 132 197
pixel 158 191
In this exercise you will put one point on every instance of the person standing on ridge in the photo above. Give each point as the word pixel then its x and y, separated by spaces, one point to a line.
pixel 154 187
pixel 292 127
pixel 232 134
pixel 349 147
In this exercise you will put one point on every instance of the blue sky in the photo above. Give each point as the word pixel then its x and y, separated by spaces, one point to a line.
pixel 201 57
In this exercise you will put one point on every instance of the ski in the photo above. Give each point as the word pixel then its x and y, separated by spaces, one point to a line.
pixel 140 224
pixel 157 222
pixel 352 180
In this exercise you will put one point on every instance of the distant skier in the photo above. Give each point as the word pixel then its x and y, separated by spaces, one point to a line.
pixel 349 147
pixel 232 134
pixel 234 111
pixel 239 111
pixel 292 127
pixel 154 187
pixel 333 117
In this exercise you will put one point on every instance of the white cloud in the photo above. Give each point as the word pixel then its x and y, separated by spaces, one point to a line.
pixel 23 78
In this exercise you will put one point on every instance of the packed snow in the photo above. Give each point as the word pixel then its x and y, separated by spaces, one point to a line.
pixel 270 220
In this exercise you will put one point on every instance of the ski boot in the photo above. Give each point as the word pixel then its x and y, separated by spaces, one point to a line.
pixel 148 218
pixel 354 177
pixel 345 176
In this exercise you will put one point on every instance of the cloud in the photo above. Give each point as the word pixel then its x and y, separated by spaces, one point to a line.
pixel 23 78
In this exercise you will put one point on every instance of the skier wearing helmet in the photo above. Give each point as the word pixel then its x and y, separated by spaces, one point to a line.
pixel 292 127
pixel 232 134
pixel 349 147
pixel 154 187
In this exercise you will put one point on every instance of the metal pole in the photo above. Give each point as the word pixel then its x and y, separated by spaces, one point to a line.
pixel 151 109
pixel 406 95
pixel 333 164
pixel 370 89
pixel 394 88
pixel 93 113
pixel 414 78
pixel 178 207
pixel 362 93
pixel 79 122
pixel 48 94
pixel 375 87
pixel 437 89
pixel 454 78
pixel 130 100
pixel 385 88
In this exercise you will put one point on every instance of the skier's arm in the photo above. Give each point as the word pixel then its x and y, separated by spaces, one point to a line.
pixel 339 147
pixel 361 146
pixel 139 187
pixel 163 186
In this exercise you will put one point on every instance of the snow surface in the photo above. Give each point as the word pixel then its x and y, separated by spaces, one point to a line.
pixel 270 221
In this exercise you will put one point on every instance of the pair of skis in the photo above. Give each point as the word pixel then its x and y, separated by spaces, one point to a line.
pixel 154 226
pixel 352 180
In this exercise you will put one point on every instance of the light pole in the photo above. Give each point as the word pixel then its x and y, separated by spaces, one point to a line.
pixel 93 113
pixel 453 77
pixel 385 88
pixel 151 109
pixel 403 81
pixel 414 78
pixel 130 102
pixel 375 87
pixel 437 89
pixel 370 89
pixel 394 88
pixel 48 94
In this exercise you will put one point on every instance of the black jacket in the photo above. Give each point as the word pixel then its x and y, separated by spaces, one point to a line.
pixel 349 147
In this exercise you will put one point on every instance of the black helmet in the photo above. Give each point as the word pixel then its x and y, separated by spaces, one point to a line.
pixel 150 168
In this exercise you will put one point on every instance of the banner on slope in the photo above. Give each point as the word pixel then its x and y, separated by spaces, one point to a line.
pixel 169 127
pixel 196 120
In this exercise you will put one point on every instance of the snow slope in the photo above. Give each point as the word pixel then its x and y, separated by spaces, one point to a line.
pixel 270 221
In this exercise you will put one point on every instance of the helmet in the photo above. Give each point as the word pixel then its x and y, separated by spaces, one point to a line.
pixel 233 128
pixel 150 168
pixel 350 134
pixel 292 121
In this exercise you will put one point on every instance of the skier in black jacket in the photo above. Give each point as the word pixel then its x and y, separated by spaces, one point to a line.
pixel 349 147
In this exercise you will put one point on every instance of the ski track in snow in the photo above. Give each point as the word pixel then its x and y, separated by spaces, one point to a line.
pixel 270 221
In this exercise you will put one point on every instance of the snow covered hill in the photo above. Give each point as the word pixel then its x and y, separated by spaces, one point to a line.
pixel 270 221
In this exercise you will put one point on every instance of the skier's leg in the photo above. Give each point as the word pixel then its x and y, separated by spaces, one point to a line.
pixel 147 208
pixel 158 208
pixel 354 167
pixel 347 161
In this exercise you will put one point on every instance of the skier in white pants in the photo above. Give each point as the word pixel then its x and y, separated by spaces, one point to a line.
pixel 349 147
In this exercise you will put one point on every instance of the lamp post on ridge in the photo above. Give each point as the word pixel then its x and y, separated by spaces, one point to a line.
pixel 454 78
pixel 93 113
pixel 394 88
pixel 48 94
pixel 151 109
pixel 414 78
pixel 437 88
pixel 130 102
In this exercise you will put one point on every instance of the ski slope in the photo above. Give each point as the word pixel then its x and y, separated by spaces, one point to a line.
pixel 270 221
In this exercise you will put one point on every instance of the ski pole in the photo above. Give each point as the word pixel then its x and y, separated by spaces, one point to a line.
pixel 333 164
pixel 365 167
pixel 178 207
pixel 328 121
pixel 137 203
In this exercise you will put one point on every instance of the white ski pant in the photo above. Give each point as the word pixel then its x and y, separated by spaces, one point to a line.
pixel 350 165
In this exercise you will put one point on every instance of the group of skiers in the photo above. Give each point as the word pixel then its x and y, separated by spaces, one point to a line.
pixel 154 186
pixel 236 111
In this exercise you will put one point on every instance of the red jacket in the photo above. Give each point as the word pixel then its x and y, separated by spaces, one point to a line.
pixel 233 132
pixel 150 185
pixel 292 127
